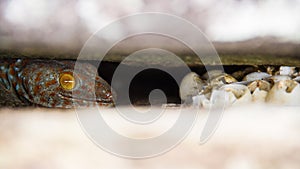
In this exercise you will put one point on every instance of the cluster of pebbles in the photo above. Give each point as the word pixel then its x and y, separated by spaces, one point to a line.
pixel 272 86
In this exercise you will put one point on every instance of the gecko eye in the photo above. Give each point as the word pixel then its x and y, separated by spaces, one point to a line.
pixel 67 81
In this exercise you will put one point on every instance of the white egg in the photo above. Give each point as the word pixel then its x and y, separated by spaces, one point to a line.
pixel 278 78
pixel 287 70
pixel 256 76
pixel 201 101
pixel 259 95
pixel 191 85
pixel 285 92
pixel 236 94
pixel 259 90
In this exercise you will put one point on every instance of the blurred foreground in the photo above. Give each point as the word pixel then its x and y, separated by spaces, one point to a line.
pixel 247 137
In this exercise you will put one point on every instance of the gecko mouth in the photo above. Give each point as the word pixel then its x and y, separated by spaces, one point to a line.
pixel 93 100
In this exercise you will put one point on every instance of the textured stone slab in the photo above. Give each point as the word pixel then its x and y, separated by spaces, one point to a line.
pixel 261 51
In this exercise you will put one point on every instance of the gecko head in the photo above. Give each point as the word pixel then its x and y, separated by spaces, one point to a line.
pixel 58 84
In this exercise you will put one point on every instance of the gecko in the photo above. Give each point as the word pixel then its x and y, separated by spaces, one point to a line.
pixel 52 83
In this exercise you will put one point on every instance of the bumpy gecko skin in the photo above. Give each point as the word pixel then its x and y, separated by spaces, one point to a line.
pixel 52 83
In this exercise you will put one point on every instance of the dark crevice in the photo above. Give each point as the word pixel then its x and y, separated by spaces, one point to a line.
pixel 147 80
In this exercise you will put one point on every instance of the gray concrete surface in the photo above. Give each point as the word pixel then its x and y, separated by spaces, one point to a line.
pixel 256 137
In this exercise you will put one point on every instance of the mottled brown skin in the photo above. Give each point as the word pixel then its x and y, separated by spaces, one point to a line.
pixel 36 82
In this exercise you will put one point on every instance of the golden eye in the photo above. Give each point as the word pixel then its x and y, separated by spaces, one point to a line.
pixel 67 81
